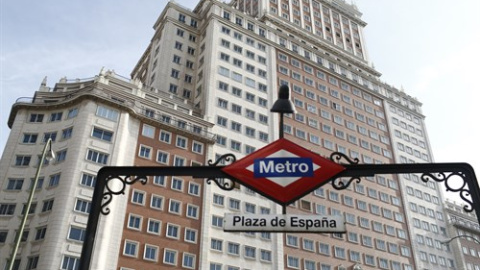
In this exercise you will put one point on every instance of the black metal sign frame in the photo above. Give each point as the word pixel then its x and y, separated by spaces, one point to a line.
pixel 448 173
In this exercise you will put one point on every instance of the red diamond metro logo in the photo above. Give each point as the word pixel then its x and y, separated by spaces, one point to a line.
pixel 283 171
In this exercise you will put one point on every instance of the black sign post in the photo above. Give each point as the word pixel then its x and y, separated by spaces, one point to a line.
pixel 447 173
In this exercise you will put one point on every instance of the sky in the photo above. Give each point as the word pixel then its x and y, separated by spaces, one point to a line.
pixel 429 48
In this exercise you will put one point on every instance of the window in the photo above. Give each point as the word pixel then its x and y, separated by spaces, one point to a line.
pixel 216 244
pixel 235 145
pixel 70 263
pixel 193 189
pixel 249 208
pixel 188 260
pixel 174 207
pixel 339 252
pixel 77 234
pixel 174 73
pixel 263 118
pixel 57 116
pixel 22 160
pixel 48 205
pixel 107 113
pixel 353 237
pixel 40 233
pixel 7 209
pixel 156 202
pixel 293 262
pixel 145 151
pixel 177 184
pixel 234 204
pixel 159 180
pixel 173 231
pixel 170 257
pixel 233 248
pixel 367 241
pixel 14 184
pixel 82 206
pixel 165 136
pixel 32 262
pixel 179 161
pixel 88 180
pixel 67 133
pixel 134 222
pixel 250 252
pixel 54 180
pixel 249 149
pixel 190 235
pixel 197 147
pixel 292 240
pixel 217 221
pixel 380 244
pixel 324 249
pixel 130 248
pixel 263 136
pixel 148 131
pixel 162 157
pixel 36 118
pixel 30 138
pixel 308 244
pixel 97 157
pixel 235 126
pixel 250 132
pixel 215 266
pixel 369 260
pixel 192 211
pixel 154 226
pixel 218 199
pixel 138 197
pixel 150 253
pixel 361 205
pixel 101 134
pixel 222 121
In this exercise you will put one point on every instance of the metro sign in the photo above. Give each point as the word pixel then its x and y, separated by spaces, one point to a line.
pixel 283 171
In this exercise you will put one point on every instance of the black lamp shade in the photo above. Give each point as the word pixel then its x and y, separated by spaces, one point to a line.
pixel 283 103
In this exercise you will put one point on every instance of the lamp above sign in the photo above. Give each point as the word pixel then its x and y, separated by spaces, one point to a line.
pixel 283 171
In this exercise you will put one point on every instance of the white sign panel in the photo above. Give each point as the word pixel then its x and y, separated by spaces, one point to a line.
pixel 283 223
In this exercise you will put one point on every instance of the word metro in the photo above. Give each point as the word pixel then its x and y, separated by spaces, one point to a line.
pixel 283 167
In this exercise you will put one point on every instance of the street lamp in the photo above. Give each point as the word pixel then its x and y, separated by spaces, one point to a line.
pixel 445 242
pixel 283 105
pixel 357 267
pixel 46 155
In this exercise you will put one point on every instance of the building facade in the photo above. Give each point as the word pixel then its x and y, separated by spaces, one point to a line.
pixel 101 121
pixel 204 88
pixel 464 236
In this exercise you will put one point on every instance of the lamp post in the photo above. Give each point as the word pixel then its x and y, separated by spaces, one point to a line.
pixel 445 242
pixel 282 106
pixel 50 156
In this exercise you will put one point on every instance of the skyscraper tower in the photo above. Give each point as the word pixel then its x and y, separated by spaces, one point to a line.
pixel 204 88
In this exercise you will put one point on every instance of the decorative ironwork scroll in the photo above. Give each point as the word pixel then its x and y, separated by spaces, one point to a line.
pixel 221 183
pixel 341 183
pixel 337 157
pixel 111 190
pixel 463 189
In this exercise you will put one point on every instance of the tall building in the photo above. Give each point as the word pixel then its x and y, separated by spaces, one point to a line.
pixel 204 88
pixel 464 232
pixel 92 123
